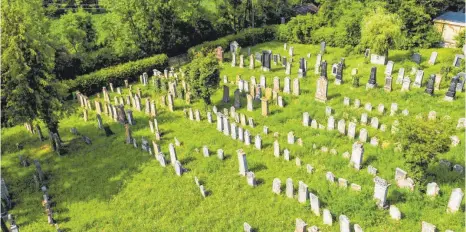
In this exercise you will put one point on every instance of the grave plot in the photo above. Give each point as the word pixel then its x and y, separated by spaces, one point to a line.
pixel 286 144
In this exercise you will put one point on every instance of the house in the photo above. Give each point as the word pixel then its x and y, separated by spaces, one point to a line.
pixel 449 25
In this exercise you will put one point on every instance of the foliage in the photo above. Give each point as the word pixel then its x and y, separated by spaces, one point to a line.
pixel 93 82
pixel 247 37
pixel 381 31
pixel 203 76
pixel 30 89
pixel 421 142
pixel 77 32
pixel 460 39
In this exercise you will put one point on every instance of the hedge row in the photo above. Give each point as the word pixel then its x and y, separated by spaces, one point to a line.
pixel 246 37
pixel 93 82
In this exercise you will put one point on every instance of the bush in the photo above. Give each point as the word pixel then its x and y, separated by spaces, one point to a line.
pixel 93 82
pixel 244 38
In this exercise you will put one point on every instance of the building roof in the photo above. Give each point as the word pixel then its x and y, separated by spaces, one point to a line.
pixel 450 17
pixel 306 8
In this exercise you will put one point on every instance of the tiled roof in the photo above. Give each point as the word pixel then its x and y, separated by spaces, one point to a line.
pixel 452 17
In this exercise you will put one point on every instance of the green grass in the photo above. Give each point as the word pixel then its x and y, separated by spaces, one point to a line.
pixel 110 186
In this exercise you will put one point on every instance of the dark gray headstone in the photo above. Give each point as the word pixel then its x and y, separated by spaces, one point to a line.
pixel 430 85
pixel 373 76
pixel 416 58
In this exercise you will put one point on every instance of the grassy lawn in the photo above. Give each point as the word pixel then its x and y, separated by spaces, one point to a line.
pixel 111 186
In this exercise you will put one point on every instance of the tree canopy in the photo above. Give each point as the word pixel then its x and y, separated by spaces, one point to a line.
pixel 30 89
pixel 203 76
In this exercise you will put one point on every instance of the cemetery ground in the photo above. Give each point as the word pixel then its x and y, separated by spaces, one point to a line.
pixel 112 186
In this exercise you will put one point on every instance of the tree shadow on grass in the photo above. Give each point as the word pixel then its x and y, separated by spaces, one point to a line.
pixel 187 160
pixel 258 167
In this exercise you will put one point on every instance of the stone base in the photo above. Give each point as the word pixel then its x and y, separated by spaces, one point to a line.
pixel 265 69
pixel 447 98
pixel 370 86
pixel 321 99
pixel 338 82
pixel 417 85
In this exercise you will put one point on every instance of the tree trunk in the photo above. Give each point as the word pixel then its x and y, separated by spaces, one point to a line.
pixel 4 227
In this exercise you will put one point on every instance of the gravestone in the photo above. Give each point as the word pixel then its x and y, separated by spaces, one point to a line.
pixel 395 213
pixel 322 47
pixel 315 205
pixel 226 94
pixel 427 227
pixel 330 177
pixel 178 168
pixel 296 87
pixel 380 191
pixel 406 84
pixel 300 225
pixel 351 130
pixel 330 123
pixel 306 119
pixel 389 68
pixel 451 93
pixel 418 79
pixel 454 202
pixel 219 53
pixel 237 102
pixel 220 154
pixel 258 142
pixel 276 186
pixel 286 87
pixel 302 192
pixel 432 189
pixel 265 107
pixel 266 60
pixel 458 59
pixel 344 223
pixel 322 85
pixel 286 155
pixel 243 164
pixel 377 59
pixel 252 61
pixel 276 149
pixel 357 155
pixel 401 75
pixel 327 217
pixel 433 58
pixel 416 58
pixel 289 188
pixel 342 182
pixel 388 84
pixel 172 151
pixel 372 83
pixel 251 179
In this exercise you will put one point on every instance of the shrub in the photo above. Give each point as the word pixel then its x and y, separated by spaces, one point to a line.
pixel 93 82
pixel 245 38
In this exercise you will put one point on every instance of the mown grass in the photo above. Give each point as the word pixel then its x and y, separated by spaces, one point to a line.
pixel 111 186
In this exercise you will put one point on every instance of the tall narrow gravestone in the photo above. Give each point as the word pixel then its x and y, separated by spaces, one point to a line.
pixel 243 164
pixel 357 155
pixel 372 83
pixel 380 191
pixel 322 84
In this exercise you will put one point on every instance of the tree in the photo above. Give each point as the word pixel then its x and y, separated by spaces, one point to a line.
pixel 151 26
pixel 77 31
pixel 381 31
pixel 31 91
pixel 421 141
pixel 203 76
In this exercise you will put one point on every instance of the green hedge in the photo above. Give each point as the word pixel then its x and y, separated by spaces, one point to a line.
pixel 246 37
pixel 93 82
